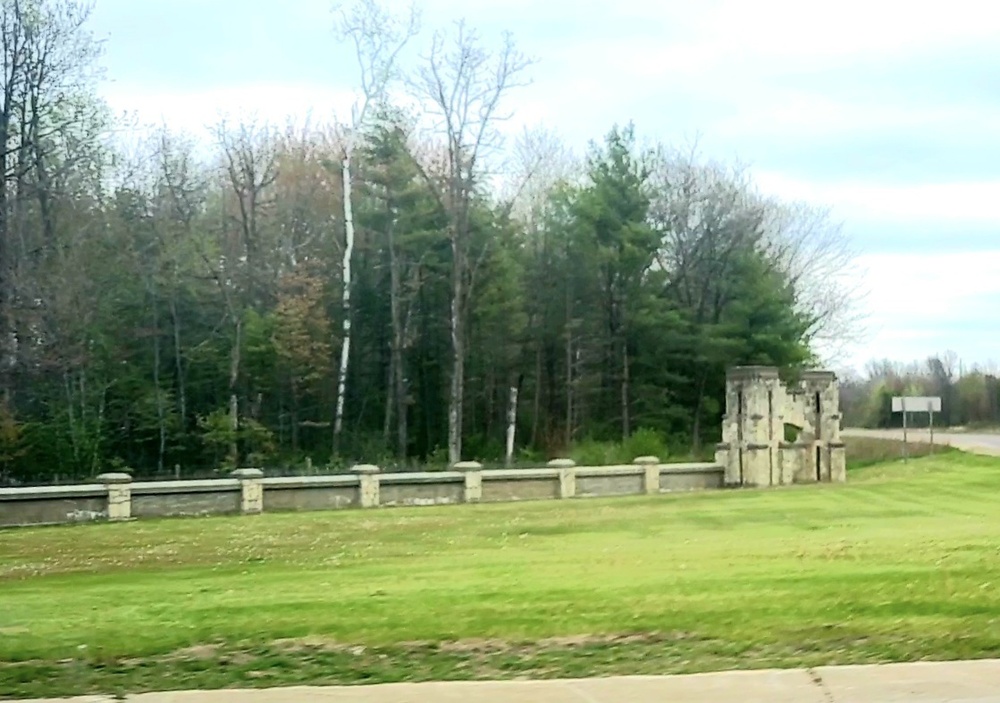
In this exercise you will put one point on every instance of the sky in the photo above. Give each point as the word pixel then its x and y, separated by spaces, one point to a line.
pixel 887 112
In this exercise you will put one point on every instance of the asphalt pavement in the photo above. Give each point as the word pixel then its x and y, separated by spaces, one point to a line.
pixel 974 442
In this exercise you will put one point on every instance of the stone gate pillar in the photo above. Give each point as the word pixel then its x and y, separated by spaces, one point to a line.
pixel 821 396
pixel 752 427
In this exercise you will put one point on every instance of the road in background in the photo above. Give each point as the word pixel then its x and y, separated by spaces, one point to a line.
pixel 974 442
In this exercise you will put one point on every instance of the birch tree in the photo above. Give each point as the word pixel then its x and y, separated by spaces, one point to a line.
pixel 378 37
pixel 462 85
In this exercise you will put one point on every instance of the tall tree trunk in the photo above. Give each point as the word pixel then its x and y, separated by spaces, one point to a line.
pixel 569 367
pixel 626 418
pixel 511 427
pixel 345 348
pixel 456 392
pixel 8 336
pixel 161 414
pixel 234 405
pixel 179 362
pixel 44 192
pixel 294 429
pixel 570 399
pixel 699 404
pixel 537 400
pixel 389 400
pixel 74 438
pixel 398 340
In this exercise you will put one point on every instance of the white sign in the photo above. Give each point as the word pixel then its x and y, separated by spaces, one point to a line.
pixel 916 404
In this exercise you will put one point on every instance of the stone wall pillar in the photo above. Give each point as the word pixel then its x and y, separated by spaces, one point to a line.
pixel 567 476
pixel 651 478
pixel 119 487
pixel 473 471
pixel 368 484
pixel 727 455
pixel 252 490
pixel 838 462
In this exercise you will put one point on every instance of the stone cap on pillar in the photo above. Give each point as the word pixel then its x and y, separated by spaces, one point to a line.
pixel 467 466
pixel 818 376
pixel 750 373
pixel 646 460
pixel 110 478
pixel 366 469
pixel 561 464
pixel 245 474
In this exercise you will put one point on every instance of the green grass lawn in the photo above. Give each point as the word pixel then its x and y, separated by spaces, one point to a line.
pixel 903 563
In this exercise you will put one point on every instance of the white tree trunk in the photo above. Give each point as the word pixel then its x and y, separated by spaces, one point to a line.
pixel 345 348
pixel 511 426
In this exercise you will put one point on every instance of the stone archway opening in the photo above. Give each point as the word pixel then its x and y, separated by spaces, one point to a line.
pixel 793 433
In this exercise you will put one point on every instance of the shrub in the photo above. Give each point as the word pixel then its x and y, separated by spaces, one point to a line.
pixel 645 442
pixel 642 442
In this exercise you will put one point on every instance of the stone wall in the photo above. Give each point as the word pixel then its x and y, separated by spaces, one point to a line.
pixel 753 453
pixel 115 497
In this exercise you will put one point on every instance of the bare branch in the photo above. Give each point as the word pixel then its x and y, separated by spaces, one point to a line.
pixel 378 37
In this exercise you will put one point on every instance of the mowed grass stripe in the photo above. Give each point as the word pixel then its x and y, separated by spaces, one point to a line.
pixel 901 563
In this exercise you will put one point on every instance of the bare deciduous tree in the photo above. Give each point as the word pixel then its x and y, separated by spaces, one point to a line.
pixel 462 85
pixel 48 118
pixel 249 170
pixel 819 261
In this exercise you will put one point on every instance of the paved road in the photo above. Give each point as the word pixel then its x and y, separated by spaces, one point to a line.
pixel 977 443
pixel 924 682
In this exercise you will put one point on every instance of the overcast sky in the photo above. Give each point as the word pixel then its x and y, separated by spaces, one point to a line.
pixel 886 111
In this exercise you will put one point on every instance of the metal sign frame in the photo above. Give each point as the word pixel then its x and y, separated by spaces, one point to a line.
pixel 916 404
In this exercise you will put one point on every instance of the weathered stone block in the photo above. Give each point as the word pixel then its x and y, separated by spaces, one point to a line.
pixel 119 487
pixel 838 462
pixel 369 484
pixel 567 476
pixel 252 490
pixel 651 477
pixel 473 471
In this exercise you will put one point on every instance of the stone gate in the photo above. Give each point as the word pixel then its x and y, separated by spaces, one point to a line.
pixel 775 435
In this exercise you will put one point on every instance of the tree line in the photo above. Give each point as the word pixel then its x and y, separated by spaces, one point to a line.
pixel 970 396
pixel 403 288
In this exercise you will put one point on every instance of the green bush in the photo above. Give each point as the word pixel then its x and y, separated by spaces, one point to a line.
pixel 590 452
pixel 645 442
pixel 642 442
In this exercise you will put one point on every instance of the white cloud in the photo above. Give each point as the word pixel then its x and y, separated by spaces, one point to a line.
pixel 953 204
pixel 824 31
pixel 814 115
pixel 922 304
pixel 196 110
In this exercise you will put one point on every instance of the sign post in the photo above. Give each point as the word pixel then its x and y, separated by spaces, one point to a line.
pixel 916 404
pixel 930 412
